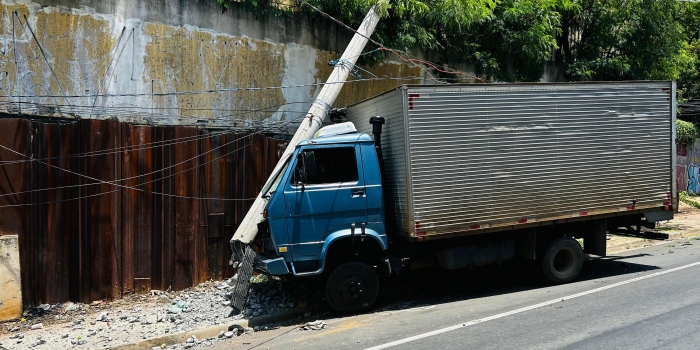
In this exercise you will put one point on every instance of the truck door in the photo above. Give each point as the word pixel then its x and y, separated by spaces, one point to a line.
pixel 332 197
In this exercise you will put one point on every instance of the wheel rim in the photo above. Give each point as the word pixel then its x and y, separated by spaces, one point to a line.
pixel 352 288
pixel 564 262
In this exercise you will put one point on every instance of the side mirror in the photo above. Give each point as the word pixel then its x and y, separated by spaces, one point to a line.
pixel 300 172
pixel 306 167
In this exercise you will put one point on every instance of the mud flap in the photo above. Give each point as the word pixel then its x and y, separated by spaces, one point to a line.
pixel 239 295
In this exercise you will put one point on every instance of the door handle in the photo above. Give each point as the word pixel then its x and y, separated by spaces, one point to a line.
pixel 356 192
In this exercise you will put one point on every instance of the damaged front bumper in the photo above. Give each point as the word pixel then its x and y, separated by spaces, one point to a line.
pixel 276 266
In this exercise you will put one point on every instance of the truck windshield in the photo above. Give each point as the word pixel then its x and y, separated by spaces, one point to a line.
pixel 271 186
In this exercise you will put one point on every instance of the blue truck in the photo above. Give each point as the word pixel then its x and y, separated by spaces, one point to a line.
pixel 468 175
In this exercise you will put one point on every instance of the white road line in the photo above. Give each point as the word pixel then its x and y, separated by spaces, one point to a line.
pixel 527 308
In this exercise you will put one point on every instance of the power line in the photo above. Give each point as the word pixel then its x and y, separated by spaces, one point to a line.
pixel 264 109
pixel 144 146
pixel 128 187
pixel 127 178
pixel 176 93
pixel 394 51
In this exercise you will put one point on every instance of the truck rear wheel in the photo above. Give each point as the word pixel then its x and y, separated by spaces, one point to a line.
pixel 562 260
pixel 352 287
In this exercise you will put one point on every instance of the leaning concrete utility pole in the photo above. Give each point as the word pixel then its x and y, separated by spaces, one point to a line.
pixel 248 229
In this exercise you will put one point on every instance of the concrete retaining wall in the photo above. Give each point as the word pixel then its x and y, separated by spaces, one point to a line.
pixel 169 62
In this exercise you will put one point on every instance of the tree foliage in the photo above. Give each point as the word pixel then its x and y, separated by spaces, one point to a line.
pixel 686 132
pixel 515 40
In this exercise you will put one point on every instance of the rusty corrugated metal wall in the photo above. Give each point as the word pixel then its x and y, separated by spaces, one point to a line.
pixel 85 239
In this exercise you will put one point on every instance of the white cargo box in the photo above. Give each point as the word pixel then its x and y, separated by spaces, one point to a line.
pixel 473 158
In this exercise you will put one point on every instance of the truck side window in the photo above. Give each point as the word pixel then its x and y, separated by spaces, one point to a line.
pixel 333 165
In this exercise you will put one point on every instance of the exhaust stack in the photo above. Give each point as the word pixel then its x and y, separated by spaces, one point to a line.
pixel 377 123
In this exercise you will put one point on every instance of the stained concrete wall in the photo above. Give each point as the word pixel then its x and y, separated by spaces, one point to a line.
pixel 169 62
pixel 11 295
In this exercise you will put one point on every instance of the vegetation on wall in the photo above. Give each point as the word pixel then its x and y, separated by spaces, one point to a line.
pixel 686 132
pixel 689 198
pixel 514 40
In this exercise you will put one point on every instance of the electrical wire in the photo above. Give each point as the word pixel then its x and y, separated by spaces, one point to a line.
pixel 243 111
pixel 141 175
pixel 161 94
pixel 138 147
pixel 129 187
pixel 385 48
pixel 153 172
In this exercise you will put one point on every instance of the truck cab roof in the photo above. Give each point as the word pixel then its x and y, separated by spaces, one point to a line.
pixel 344 138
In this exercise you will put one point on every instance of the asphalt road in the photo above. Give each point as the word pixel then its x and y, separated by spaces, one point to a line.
pixel 642 299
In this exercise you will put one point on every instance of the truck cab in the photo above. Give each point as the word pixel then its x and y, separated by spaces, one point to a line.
pixel 325 213
pixel 327 196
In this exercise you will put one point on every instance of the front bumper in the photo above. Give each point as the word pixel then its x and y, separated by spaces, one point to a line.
pixel 271 266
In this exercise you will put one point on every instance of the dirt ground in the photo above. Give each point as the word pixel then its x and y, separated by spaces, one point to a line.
pixel 685 224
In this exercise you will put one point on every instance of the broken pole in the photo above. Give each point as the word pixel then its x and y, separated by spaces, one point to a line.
pixel 248 228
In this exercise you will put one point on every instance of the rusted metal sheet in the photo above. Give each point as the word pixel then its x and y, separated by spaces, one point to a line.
pixel 138 204
pixel 14 174
pixel 142 285
pixel 57 216
pixel 118 208
pixel 166 217
pixel 214 157
pixel 14 134
pixel 100 211
pixel 230 221
pixel 185 211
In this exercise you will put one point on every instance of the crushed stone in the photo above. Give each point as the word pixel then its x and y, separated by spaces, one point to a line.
pixel 135 317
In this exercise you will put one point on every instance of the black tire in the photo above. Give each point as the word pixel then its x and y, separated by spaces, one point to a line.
pixel 562 260
pixel 352 287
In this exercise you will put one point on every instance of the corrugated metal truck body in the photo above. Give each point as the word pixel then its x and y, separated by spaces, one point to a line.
pixel 464 159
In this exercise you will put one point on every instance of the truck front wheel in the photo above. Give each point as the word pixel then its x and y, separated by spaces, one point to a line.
pixel 562 261
pixel 352 287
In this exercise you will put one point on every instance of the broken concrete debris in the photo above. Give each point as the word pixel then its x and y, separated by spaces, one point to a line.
pixel 314 326
pixel 158 313
pixel 102 317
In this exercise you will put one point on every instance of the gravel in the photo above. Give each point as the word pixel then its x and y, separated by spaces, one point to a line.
pixel 158 313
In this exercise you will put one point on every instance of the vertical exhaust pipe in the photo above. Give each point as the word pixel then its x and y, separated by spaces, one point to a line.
pixel 377 123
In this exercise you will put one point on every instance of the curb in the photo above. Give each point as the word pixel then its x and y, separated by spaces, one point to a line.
pixel 213 331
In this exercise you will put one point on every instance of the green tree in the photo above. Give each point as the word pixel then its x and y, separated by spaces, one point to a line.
pixel 513 40
pixel 515 43
pixel 624 39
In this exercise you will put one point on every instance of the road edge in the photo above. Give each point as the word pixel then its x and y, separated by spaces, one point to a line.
pixel 213 331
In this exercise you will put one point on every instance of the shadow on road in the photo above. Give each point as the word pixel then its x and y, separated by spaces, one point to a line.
pixel 433 285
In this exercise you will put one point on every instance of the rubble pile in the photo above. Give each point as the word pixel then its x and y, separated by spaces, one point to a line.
pixel 271 295
pixel 159 313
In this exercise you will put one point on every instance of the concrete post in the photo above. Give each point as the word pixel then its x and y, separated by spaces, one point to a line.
pixel 10 285
pixel 248 229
